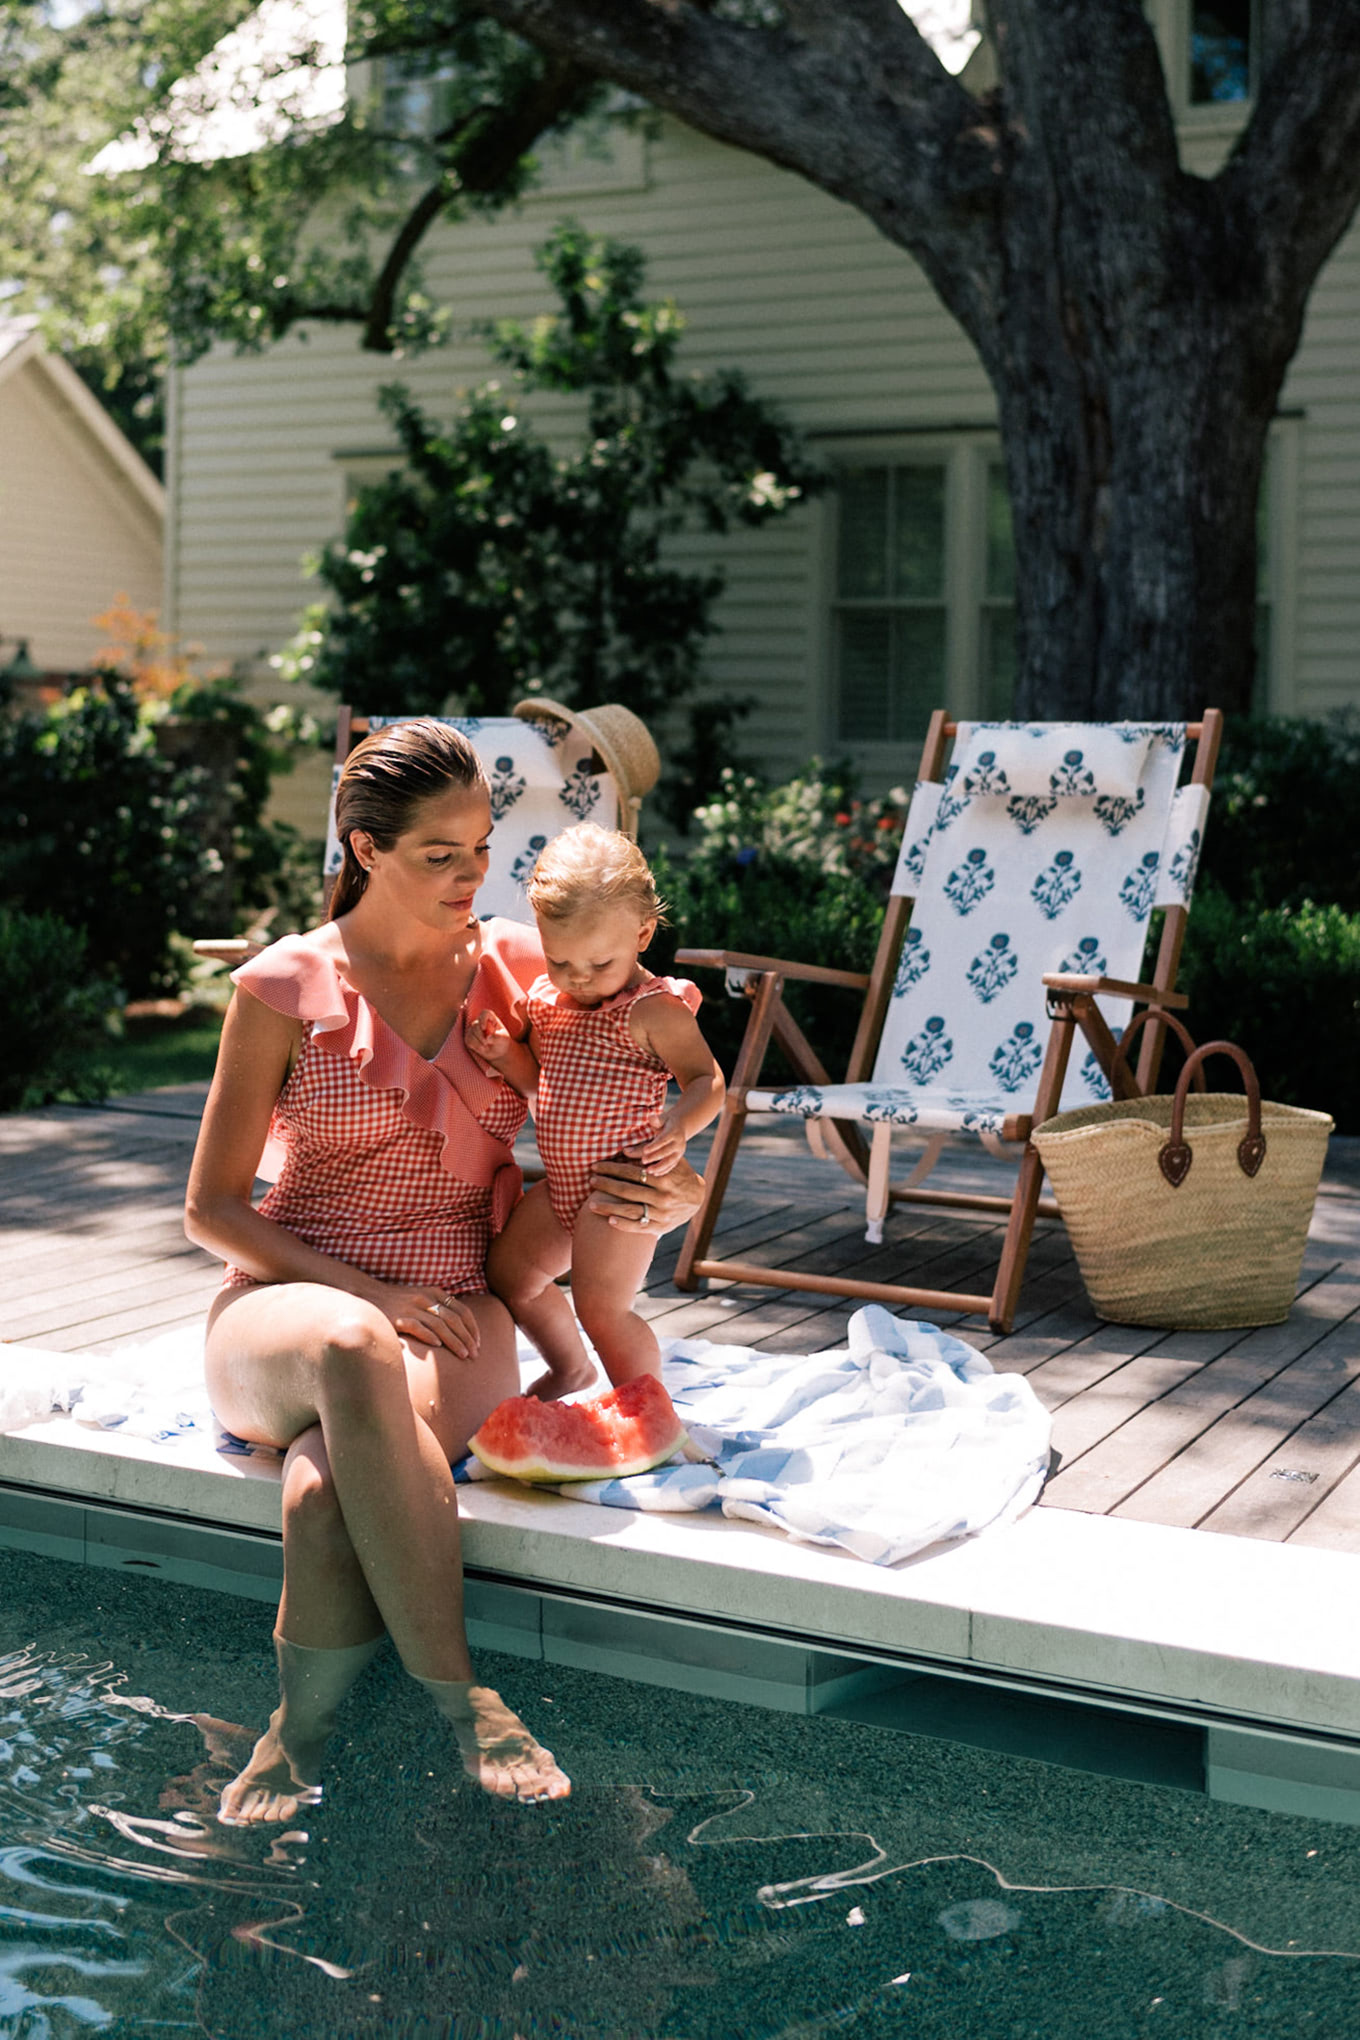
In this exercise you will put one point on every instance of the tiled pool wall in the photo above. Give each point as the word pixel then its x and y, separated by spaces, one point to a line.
pixel 1242 1763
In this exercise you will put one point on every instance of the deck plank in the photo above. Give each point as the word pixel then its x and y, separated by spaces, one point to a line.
pixel 1199 1479
pixel 1152 1436
pixel 1277 1498
pixel 1334 1525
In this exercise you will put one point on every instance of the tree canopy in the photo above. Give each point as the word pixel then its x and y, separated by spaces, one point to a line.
pixel 324 224
pixel 1136 320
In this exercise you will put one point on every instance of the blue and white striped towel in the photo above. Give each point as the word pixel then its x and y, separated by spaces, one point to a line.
pixel 902 1439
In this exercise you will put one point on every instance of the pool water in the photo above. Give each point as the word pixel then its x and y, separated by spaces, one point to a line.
pixel 720 1871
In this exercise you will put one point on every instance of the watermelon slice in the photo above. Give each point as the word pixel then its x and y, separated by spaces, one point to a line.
pixel 625 1431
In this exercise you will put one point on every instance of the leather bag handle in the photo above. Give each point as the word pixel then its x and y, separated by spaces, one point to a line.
pixel 1178 1028
pixel 1175 1156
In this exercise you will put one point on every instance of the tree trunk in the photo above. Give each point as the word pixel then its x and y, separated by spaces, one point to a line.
pixel 1134 472
pixel 1135 321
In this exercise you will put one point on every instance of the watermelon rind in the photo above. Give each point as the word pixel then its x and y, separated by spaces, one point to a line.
pixel 550 1443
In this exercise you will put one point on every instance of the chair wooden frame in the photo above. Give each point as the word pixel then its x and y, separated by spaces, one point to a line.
pixel 1071 1007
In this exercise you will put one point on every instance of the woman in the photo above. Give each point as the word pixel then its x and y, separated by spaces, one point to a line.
pixel 353 1330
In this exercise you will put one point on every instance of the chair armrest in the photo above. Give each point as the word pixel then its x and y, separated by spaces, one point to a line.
pixel 233 949
pixel 1073 982
pixel 812 973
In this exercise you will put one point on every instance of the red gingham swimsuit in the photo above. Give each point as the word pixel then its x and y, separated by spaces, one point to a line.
pixel 394 1164
pixel 597 1090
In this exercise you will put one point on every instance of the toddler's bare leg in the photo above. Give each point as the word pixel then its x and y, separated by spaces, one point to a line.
pixel 608 1268
pixel 523 1267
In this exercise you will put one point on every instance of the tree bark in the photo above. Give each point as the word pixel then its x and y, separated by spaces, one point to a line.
pixel 1136 321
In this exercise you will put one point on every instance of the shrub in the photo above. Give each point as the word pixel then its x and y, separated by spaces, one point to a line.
pixel 770 906
pixel 1284 983
pixel 119 839
pixel 54 1007
pixel 497 564
pixel 1282 829
pixel 271 868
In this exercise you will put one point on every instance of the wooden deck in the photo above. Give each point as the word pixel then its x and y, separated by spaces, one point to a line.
pixel 1252 1433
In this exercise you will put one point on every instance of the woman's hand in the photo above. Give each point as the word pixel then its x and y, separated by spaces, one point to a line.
pixel 428 1316
pixel 630 1194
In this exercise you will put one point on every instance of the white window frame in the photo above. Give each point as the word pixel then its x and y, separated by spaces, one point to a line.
pixel 1171 24
pixel 965 453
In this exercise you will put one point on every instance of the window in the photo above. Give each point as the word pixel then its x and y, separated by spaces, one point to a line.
pixel 1222 51
pixel 1211 52
pixel 922 607
pixel 922 590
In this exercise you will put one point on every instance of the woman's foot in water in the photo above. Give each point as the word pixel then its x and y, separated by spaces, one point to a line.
pixel 498 1751
pixel 283 1772
pixel 281 1776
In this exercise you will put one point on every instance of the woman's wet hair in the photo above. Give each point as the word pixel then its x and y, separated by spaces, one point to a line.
pixel 589 870
pixel 386 780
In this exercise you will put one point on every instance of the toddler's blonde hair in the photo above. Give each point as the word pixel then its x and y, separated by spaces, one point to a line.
pixel 589 870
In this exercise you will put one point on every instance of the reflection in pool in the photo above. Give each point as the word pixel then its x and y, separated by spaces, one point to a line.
pixel 721 1870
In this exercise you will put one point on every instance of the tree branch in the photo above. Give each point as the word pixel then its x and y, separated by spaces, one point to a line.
pixel 378 318
pixel 848 95
pixel 1293 181
pixel 480 153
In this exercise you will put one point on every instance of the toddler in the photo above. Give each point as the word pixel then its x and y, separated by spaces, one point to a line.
pixel 605 1036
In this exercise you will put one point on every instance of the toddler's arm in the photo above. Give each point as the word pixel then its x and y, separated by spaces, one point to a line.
pixel 492 1043
pixel 665 1024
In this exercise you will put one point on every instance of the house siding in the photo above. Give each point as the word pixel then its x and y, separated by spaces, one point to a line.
pixel 825 318
pixel 73 533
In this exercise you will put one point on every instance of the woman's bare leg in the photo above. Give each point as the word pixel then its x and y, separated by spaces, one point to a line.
pixel 322 1639
pixel 608 1269
pixel 523 1268
pixel 282 1359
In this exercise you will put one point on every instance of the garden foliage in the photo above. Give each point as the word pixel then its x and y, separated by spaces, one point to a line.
pixel 494 566
pixel 798 871
pixel 55 1005
pixel 119 840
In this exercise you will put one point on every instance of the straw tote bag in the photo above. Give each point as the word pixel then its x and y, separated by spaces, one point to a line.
pixel 1189 1212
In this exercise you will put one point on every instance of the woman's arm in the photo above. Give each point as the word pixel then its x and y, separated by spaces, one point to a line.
pixel 257 1047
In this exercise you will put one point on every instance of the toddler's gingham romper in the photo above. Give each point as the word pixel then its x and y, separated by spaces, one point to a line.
pixel 597 1090
pixel 368 1138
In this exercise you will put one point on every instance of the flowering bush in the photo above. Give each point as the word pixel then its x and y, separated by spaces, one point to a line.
pixel 815 819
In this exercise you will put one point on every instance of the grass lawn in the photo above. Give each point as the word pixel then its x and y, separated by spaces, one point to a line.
pixel 150 1053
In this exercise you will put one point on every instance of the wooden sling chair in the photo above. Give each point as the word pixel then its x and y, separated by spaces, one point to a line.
pixel 1029 870
pixel 548 767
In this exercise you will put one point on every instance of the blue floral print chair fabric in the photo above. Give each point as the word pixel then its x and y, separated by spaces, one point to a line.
pixel 1044 847
pixel 541 783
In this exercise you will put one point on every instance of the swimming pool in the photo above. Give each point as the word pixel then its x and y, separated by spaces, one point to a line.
pixel 721 1871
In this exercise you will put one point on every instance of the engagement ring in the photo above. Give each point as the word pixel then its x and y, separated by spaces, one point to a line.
pixel 646 1217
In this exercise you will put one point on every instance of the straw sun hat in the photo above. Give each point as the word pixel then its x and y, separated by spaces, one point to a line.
pixel 621 741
